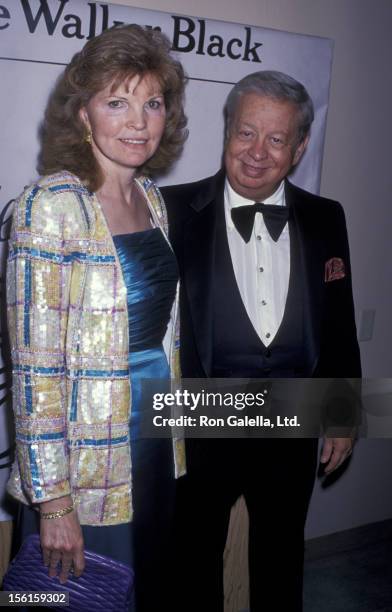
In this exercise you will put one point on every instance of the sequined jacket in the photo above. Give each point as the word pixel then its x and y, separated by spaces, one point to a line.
pixel 68 326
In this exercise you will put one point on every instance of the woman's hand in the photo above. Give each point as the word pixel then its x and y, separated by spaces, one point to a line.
pixel 62 540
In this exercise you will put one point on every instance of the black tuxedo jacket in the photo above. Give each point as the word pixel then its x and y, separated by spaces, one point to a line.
pixel 331 341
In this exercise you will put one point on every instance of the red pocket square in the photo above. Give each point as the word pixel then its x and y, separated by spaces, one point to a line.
pixel 334 269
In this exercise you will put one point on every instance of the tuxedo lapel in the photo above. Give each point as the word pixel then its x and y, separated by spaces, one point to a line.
pixel 312 257
pixel 199 248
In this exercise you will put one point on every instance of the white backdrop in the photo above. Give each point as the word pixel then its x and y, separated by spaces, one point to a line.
pixel 38 37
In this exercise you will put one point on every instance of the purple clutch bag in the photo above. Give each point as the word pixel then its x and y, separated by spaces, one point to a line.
pixel 104 585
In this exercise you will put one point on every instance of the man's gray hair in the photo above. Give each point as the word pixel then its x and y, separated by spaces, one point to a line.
pixel 275 85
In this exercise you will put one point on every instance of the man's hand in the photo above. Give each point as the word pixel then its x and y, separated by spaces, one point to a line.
pixel 62 541
pixel 335 452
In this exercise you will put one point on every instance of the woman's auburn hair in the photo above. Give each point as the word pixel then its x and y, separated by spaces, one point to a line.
pixel 111 58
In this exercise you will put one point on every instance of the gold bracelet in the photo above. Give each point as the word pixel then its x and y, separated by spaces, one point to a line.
pixel 57 513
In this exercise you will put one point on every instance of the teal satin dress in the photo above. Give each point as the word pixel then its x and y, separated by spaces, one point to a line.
pixel 150 274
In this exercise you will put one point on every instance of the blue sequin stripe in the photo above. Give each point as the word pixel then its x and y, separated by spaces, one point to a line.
pixel 71 372
pixel 98 373
pixel 60 436
pixel 74 401
pixel 38 437
pixel 27 303
pixel 103 442
pixel 28 394
pixel 69 257
pixel 70 187
pixel 38 370
pixel 29 205
pixel 83 205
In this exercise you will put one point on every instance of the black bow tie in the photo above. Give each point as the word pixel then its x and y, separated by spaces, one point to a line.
pixel 275 218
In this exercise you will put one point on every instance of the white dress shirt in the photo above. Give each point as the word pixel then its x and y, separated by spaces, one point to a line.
pixel 261 266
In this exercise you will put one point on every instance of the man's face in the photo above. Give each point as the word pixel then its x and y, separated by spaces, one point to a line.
pixel 262 145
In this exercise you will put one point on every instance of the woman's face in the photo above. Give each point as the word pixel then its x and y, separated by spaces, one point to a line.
pixel 126 124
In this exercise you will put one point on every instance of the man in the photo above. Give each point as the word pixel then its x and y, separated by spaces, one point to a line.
pixel 266 292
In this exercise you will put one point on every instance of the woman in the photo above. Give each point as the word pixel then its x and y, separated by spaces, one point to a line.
pixel 91 285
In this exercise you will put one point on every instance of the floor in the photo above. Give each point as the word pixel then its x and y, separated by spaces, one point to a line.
pixel 350 572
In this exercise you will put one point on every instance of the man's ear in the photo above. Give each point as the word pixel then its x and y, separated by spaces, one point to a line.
pixel 299 151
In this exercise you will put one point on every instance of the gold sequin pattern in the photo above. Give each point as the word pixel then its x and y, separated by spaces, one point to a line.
pixel 68 324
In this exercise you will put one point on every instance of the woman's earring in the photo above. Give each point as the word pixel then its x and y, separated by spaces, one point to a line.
pixel 89 136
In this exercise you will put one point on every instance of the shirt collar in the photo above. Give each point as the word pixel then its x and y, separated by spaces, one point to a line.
pixel 234 199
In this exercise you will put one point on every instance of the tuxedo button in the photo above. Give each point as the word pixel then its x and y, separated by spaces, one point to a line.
pixel 261 269
pixel 268 335
pixel 268 353
pixel 264 303
pixel 258 237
